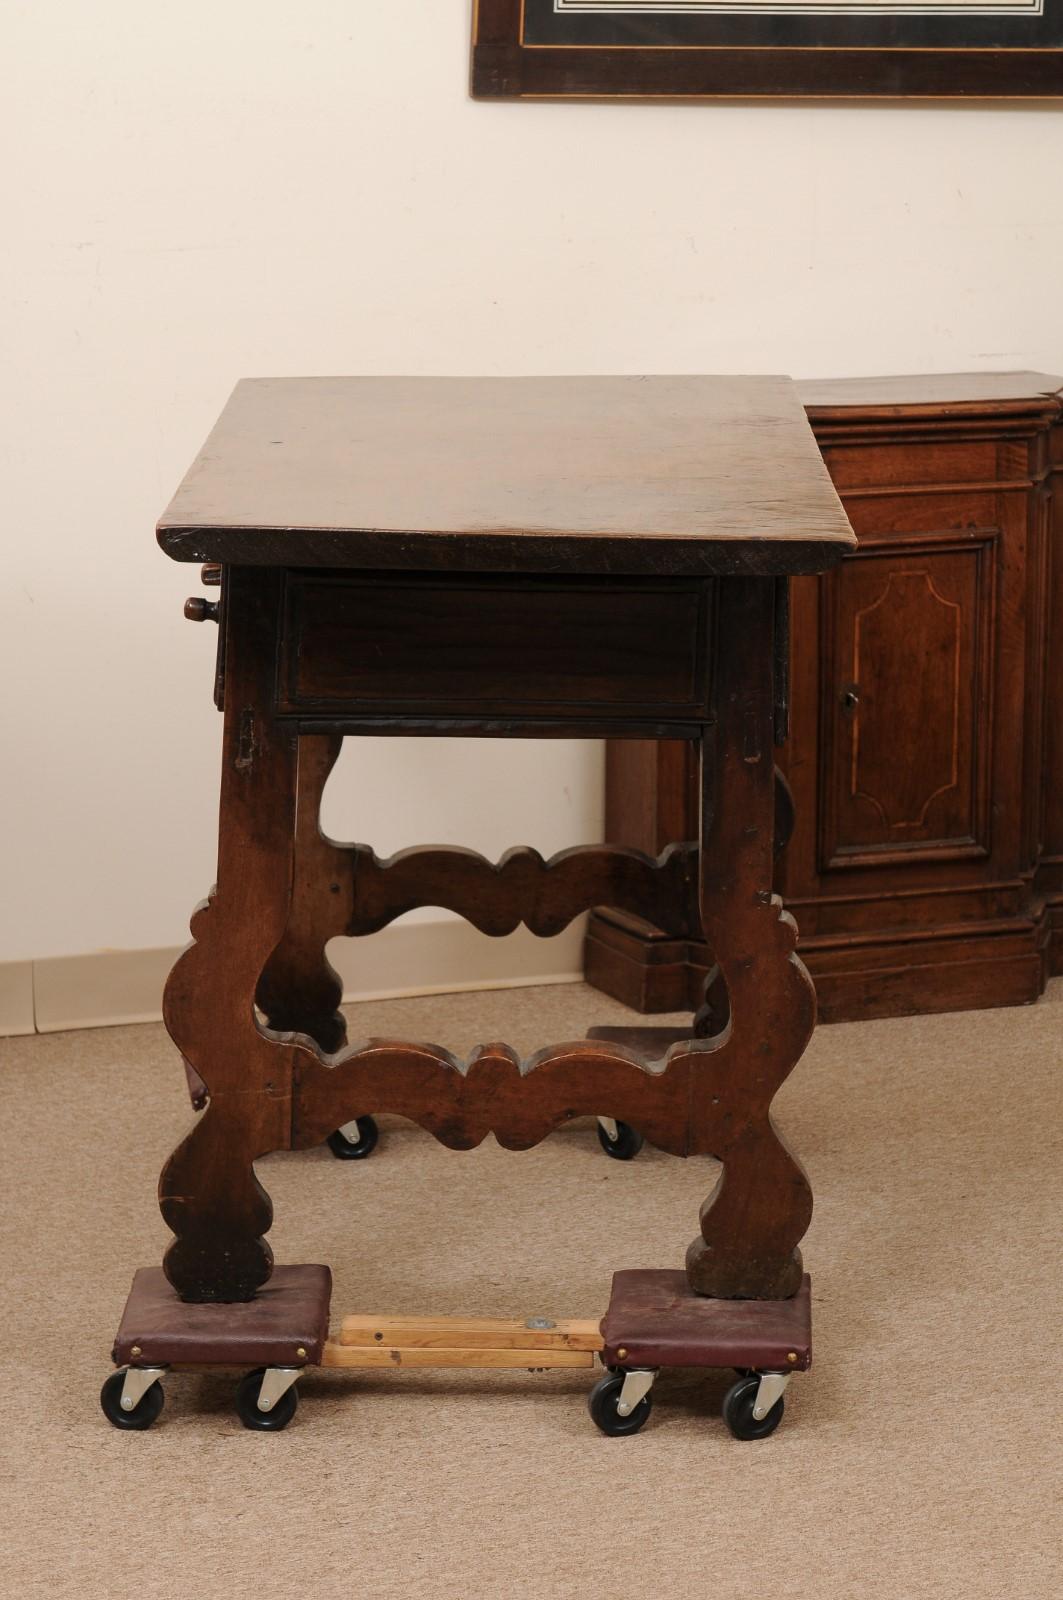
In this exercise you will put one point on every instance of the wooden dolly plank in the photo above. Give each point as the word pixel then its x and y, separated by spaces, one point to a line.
pixel 406 1341
pixel 346 1355
pixel 471 1333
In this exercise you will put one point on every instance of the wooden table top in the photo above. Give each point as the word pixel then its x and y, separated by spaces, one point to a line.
pixel 656 475
pixel 936 390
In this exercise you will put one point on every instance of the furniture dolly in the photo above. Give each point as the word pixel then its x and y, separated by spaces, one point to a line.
pixel 654 1321
pixel 503 558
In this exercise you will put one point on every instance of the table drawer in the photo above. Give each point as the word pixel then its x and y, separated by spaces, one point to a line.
pixel 491 646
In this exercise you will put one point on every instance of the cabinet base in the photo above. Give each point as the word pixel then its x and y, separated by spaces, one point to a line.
pixel 985 965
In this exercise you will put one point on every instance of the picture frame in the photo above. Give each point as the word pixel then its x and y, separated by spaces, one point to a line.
pixel 738 49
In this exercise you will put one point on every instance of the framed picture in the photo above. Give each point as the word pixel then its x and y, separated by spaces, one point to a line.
pixel 833 49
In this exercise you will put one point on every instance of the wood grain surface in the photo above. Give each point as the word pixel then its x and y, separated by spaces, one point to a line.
pixel 470 1333
pixel 929 389
pixel 345 1355
pixel 616 474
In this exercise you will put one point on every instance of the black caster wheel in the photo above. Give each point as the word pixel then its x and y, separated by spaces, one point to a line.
pixel 603 1401
pixel 626 1145
pixel 143 1413
pixel 345 1149
pixel 738 1405
pixel 247 1404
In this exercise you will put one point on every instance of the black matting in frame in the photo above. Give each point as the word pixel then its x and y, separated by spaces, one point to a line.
pixel 808 24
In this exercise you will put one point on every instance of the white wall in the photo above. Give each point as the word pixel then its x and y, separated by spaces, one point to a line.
pixel 212 189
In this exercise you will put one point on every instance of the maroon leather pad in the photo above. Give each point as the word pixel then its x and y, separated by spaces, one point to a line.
pixel 657 1321
pixel 288 1313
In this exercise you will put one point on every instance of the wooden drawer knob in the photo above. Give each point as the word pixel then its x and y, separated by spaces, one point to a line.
pixel 199 610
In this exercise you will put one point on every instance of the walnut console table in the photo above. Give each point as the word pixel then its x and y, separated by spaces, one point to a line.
pixel 585 557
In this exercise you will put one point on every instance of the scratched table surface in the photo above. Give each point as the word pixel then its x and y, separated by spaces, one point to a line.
pixel 644 475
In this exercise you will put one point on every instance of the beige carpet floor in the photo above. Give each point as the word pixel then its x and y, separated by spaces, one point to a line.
pixel 920 1457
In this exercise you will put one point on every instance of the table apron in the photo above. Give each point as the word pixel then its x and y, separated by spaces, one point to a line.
pixel 423 653
pixel 351 724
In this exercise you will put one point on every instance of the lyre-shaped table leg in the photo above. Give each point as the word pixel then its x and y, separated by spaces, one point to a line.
pixel 762 1204
pixel 208 1192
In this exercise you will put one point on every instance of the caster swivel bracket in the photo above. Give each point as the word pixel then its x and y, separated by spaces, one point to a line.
pixel 136 1383
pixel 772 1388
pixel 276 1381
pixel 637 1384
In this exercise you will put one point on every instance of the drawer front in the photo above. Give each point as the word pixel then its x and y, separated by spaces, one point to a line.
pixel 433 646
pixel 938 462
pixel 887 518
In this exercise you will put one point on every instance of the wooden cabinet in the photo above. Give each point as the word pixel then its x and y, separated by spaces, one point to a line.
pixel 926 743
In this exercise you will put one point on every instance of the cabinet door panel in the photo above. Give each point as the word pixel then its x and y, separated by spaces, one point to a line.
pixel 906 706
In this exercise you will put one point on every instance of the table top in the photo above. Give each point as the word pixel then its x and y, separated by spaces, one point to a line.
pixel 935 390
pixel 653 475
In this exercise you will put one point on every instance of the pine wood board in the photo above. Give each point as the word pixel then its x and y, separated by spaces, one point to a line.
pixel 467 1333
pixel 366 1356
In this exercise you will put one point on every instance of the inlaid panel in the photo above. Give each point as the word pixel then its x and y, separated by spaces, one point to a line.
pixel 904 715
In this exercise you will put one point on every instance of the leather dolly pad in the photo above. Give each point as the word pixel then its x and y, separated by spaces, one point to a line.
pixel 288 1314
pixel 657 1320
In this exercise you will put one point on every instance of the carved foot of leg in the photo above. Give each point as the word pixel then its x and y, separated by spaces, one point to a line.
pixel 211 1267
pixel 710 1274
pixel 751 1223
pixel 218 1211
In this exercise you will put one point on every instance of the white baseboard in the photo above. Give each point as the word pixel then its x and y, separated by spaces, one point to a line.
pixel 446 957
pixel 16 997
pixel 112 987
